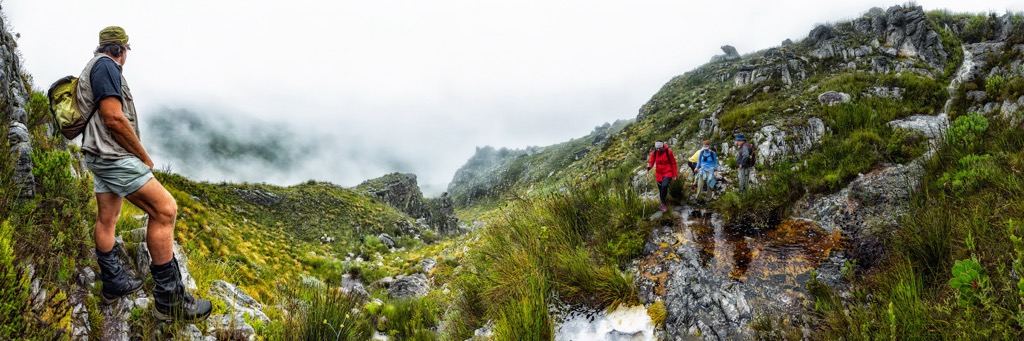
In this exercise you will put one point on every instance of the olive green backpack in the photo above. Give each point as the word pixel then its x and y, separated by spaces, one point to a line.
pixel 64 107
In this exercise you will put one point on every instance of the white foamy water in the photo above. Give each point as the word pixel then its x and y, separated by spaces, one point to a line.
pixel 623 324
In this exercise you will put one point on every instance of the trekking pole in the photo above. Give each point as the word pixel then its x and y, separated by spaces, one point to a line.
pixel 648 176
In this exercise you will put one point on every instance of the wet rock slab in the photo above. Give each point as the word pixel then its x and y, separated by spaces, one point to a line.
pixel 714 281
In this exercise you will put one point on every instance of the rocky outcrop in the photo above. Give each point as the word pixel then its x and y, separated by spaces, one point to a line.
pixel 237 301
pixel 777 64
pixel 776 142
pixel 831 98
pixel 897 32
pixel 13 97
pixel 402 192
pixel 730 55
pixel 413 286
pixel 867 211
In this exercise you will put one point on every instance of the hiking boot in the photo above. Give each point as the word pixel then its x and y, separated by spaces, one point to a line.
pixel 664 208
pixel 171 301
pixel 116 283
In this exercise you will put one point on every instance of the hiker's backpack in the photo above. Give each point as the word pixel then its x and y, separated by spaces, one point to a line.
pixel 752 160
pixel 63 96
pixel 708 154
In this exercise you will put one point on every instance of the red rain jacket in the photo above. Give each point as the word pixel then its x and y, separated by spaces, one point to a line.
pixel 665 163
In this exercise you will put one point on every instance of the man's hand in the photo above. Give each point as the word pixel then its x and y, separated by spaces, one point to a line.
pixel 121 129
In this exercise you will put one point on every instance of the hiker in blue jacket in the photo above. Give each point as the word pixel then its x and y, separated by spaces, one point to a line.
pixel 707 164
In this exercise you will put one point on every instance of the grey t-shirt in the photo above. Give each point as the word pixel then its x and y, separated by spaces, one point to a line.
pixel 98 140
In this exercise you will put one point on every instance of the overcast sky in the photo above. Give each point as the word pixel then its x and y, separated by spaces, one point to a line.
pixel 409 86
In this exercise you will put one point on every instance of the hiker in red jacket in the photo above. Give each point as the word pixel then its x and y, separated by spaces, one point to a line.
pixel 662 158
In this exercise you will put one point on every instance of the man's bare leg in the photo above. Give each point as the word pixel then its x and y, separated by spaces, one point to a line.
pixel 154 199
pixel 108 209
pixel 116 283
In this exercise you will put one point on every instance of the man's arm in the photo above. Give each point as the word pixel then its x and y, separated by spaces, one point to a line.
pixel 741 157
pixel 121 129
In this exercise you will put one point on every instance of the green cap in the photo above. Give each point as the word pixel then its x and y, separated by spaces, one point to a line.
pixel 113 34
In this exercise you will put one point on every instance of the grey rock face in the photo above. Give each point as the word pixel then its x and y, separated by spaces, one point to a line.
pixel 831 98
pixel 903 31
pixel 883 92
pixel 259 196
pixel 775 143
pixel 773 64
pixel 881 64
pixel 13 90
pixel 413 286
pixel 875 200
pixel 237 300
pixel 698 300
pixel 387 240
pixel 230 327
pixel 932 126
pixel 428 265
pixel 730 54
pixel 86 277
pixel 485 332
pixel 820 34
pixel 402 192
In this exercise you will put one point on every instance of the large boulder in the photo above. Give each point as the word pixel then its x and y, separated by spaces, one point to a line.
pixel 730 54
pixel 831 98
pixel 230 327
pixel 776 142
pixel 413 286
pixel 238 301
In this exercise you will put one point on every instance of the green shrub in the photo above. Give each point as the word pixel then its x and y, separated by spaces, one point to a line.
pixel 980 28
pixel 905 145
pixel 763 206
pixel 52 170
pixel 371 245
pixel 969 281
pixel 974 171
pixel 966 130
pixel 994 86
pixel 567 245
pixel 740 117
pixel 14 287
pixel 332 315
pixel 409 319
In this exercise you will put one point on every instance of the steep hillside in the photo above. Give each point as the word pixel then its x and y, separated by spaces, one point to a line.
pixel 850 125
pixel 500 174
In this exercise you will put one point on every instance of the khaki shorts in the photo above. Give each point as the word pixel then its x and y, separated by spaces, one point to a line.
pixel 118 176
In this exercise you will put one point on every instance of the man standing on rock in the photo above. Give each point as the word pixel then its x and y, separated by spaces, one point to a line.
pixel 744 161
pixel 122 169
